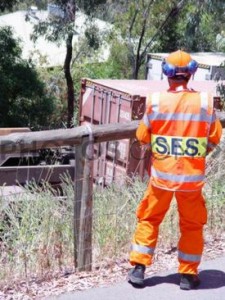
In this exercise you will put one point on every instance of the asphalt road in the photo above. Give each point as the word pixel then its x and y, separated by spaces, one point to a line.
pixel 163 286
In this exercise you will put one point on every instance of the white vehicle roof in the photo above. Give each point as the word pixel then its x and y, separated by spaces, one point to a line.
pixel 208 58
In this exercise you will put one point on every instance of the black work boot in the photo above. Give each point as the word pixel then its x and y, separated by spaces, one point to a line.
pixel 136 275
pixel 189 281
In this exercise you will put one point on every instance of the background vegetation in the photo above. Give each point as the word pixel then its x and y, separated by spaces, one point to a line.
pixel 138 27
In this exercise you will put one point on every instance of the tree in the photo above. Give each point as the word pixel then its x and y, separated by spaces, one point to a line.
pixel 23 98
pixel 7 4
pixel 199 23
pixel 90 7
pixel 148 26
pixel 140 23
pixel 197 27
pixel 60 26
pixel 14 5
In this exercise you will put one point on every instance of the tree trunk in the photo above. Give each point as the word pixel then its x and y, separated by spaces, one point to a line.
pixel 69 81
pixel 136 68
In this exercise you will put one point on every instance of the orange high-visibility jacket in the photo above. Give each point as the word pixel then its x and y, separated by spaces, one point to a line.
pixel 181 128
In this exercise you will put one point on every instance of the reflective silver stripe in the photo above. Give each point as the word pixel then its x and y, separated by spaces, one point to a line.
pixel 211 145
pixel 155 102
pixel 213 118
pixel 203 116
pixel 145 120
pixel 176 178
pixel 189 257
pixel 142 249
pixel 204 107
pixel 204 101
pixel 179 117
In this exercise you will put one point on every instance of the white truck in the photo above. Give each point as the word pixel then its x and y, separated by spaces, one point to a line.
pixel 211 66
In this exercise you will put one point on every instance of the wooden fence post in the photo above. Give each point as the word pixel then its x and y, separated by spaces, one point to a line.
pixel 83 205
pixel 78 176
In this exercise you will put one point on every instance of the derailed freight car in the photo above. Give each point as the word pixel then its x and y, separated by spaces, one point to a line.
pixel 119 101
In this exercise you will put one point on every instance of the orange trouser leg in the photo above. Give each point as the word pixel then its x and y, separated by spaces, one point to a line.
pixel 193 216
pixel 150 214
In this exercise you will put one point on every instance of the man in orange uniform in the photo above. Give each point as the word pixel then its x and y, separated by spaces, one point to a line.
pixel 181 127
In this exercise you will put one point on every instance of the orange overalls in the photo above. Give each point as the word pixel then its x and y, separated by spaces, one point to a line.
pixel 181 128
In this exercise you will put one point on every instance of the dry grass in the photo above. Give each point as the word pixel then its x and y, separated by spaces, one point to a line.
pixel 36 232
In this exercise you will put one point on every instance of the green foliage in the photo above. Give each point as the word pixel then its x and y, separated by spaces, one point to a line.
pixel 195 28
pixel 9 47
pixel 7 4
pixel 86 61
pixel 89 6
pixel 149 26
pixel 55 85
pixel 195 31
pixel 140 23
pixel 23 98
pixel 57 28
pixel 119 57
pixel 14 5
pixel 93 37
pixel 104 70
pixel 60 27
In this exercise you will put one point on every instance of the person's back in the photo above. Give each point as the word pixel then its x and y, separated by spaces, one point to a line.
pixel 181 128
pixel 179 123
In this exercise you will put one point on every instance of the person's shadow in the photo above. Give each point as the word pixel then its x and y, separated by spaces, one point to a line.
pixel 210 279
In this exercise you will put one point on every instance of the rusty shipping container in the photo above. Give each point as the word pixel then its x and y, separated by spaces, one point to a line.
pixel 117 101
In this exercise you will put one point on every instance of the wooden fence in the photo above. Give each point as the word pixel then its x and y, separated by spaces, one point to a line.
pixel 82 138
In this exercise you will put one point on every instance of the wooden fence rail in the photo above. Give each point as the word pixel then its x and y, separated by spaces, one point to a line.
pixel 83 138
pixel 29 141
